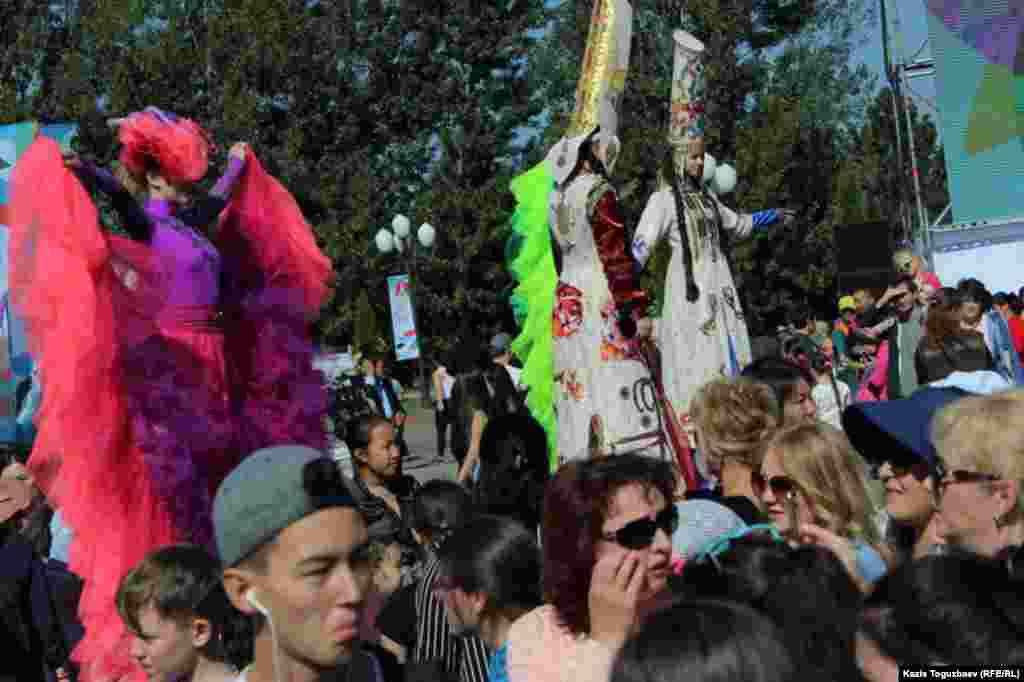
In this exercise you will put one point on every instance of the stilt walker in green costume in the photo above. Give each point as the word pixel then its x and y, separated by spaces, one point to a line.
pixel 582 325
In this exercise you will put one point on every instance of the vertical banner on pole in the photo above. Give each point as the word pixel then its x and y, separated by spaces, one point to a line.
pixel 403 318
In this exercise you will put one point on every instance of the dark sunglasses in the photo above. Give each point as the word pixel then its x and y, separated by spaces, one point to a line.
pixel 918 468
pixel 781 486
pixel 639 534
pixel 961 476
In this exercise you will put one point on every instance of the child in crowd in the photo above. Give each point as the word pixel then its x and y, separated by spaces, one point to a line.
pixel 184 626
pixel 830 396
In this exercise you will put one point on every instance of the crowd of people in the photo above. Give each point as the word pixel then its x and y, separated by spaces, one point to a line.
pixel 893 540
pixel 639 502
pixel 914 332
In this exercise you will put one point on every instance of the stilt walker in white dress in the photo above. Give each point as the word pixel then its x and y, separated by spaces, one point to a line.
pixel 597 318
pixel 702 333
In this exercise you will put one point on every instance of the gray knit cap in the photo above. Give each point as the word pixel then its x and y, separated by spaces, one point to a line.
pixel 264 495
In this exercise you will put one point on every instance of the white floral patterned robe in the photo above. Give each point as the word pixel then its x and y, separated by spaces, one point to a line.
pixel 597 371
pixel 707 338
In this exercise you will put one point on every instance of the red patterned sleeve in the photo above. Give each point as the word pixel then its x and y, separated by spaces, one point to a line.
pixel 610 238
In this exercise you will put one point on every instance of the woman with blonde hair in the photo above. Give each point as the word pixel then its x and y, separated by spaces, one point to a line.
pixel 981 492
pixel 734 418
pixel 813 485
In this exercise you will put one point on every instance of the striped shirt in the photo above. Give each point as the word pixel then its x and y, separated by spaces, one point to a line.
pixel 464 658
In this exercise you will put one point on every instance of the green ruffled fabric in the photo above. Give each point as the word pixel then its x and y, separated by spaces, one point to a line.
pixel 530 260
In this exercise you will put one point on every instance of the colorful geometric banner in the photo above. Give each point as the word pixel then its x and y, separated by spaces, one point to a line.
pixel 403 318
pixel 979 64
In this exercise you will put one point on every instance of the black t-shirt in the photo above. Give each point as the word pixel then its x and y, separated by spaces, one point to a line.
pixel 744 507
pixel 397 620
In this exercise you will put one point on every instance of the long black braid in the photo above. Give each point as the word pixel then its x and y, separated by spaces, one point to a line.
pixel 586 153
pixel 692 291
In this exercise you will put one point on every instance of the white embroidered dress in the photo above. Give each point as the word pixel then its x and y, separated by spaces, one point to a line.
pixel 597 371
pixel 707 338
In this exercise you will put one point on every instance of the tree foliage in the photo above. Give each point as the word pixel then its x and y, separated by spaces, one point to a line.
pixel 370 108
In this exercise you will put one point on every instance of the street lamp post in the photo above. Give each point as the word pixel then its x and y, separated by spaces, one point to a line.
pixel 399 239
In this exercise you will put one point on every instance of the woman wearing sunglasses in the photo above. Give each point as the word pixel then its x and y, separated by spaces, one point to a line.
pixel 813 485
pixel 980 440
pixel 606 535
pixel 894 438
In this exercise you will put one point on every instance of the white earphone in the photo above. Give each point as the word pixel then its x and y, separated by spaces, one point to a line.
pixel 250 597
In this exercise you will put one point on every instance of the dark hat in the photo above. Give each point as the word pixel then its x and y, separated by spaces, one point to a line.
pixel 264 495
pixel 501 344
pixel 898 429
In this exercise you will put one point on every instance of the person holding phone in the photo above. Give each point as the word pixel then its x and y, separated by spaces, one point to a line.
pixel 813 486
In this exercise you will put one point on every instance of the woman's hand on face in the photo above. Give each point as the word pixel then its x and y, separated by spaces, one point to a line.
pixel 615 587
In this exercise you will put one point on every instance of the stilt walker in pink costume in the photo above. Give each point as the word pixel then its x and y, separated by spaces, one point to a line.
pixel 165 357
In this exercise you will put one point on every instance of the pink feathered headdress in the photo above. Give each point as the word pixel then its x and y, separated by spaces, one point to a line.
pixel 179 146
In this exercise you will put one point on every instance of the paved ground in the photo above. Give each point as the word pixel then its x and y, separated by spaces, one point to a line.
pixel 420 435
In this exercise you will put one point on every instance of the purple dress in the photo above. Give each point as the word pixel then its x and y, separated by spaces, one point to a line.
pixel 193 414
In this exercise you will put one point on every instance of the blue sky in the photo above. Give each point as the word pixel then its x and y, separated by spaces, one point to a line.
pixel 915 32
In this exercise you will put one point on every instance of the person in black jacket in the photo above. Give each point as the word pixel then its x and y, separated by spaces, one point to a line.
pixel 380 392
pixel 948 346
pixel 30 626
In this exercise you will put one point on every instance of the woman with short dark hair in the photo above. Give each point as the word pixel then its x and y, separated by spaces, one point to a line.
pixel 34 524
pixel 791 385
pixel 948 346
pixel 606 535
pixel 490 577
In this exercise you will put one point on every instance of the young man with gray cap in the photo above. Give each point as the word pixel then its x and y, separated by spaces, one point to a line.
pixel 294 549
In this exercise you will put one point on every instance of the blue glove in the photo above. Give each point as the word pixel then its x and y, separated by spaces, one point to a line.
pixel 766 218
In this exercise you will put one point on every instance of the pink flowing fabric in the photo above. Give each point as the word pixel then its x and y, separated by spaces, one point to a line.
pixel 277 280
pixel 141 416
pixel 67 278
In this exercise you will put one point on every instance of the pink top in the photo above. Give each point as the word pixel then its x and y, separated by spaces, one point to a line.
pixel 540 649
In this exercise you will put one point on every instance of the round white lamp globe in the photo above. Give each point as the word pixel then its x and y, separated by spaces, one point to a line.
pixel 401 226
pixel 385 242
pixel 709 168
pixel 725 179
pixel 426 235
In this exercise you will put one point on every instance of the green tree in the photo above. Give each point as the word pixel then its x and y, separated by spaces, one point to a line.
pixel 358 107
pixel 781 93
pixel 877 144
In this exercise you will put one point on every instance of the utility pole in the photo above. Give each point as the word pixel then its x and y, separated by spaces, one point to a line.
pixel 895 89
